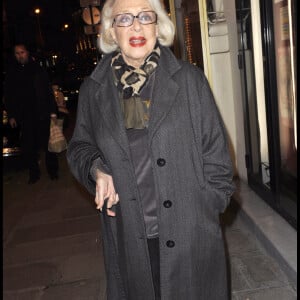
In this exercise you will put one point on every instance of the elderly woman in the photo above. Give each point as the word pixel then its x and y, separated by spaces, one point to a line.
pixel 150 145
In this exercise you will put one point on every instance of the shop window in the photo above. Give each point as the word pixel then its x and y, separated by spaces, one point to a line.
pixel 267 48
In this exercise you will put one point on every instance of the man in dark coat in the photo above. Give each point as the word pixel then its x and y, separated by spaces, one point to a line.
pixel 30 104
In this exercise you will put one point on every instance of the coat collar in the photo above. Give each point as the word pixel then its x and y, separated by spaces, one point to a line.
pixel 164 94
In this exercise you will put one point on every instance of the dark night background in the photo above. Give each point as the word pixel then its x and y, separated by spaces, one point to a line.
pixel 20 25
pixel 22 22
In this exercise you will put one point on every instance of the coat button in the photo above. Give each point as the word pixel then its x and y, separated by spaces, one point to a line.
pixel 170 244
pixel 161 162
pixel 167 204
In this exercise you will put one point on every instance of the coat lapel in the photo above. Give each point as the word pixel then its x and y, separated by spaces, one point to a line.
pixel 164 94
pixel 165 91
pixel 108 100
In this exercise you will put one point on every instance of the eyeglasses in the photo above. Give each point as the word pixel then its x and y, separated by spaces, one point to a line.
pixel 144 17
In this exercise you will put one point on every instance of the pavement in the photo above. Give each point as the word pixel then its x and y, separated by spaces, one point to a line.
pixel 52 245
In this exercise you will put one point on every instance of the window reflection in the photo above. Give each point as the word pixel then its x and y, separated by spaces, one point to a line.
pixel 189 32
pixel 285 87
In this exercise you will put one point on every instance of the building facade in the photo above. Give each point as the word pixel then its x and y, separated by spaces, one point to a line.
pixel 247 49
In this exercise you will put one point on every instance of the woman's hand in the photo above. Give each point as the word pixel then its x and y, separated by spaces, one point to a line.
pixel 105 190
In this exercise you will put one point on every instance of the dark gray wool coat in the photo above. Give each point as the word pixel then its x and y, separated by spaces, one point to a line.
pixel 192 171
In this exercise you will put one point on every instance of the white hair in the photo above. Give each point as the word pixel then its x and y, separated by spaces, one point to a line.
pixel 166 29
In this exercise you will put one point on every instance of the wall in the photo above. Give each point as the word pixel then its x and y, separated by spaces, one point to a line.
pixel 226 85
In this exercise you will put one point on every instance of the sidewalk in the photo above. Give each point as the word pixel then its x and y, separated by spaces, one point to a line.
pixel 255 275
pixel 51 239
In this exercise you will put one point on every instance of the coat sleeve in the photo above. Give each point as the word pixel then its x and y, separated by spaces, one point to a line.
pixel 82 150
pixel 44 90
pixel 211 142
pixel 9 95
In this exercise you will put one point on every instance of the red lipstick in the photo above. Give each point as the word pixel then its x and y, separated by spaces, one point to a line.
pixel 137 41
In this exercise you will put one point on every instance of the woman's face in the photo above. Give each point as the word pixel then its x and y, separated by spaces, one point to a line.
pixel 136 41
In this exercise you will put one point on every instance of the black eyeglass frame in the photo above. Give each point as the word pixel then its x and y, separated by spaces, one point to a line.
pixel 135 17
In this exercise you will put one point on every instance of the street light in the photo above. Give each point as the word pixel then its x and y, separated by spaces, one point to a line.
pixel 54 58
pixel 37 12
pixel 65 27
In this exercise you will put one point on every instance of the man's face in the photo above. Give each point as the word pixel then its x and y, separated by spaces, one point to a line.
pixel 21 54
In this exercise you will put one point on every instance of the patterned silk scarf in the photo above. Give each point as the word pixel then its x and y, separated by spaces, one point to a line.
pixel 130 82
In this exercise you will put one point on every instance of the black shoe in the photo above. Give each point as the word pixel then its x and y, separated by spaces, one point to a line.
pixel 33 179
